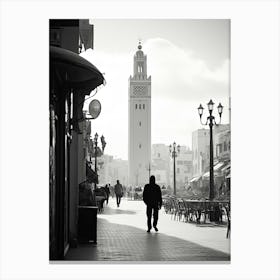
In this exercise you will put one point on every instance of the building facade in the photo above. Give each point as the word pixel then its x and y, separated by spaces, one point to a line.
pixel 139 126
pixel 71 79
pixel 222 155
pixel 201 160
pixel 112 169
pixel 221 141
pixel 183 167
pixel 160 167
pixel 200 149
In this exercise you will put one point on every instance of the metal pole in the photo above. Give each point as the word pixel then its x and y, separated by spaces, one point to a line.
pixel 95 163
pixel 174 170
pixel 211 171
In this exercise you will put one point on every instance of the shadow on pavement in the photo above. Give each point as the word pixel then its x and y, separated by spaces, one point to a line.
pixel 211 225
pixel 110 211
pixel 122 243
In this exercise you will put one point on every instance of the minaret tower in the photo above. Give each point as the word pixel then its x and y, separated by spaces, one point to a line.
pixel 139 118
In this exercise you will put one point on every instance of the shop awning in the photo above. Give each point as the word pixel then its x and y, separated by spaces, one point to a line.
pixel 207 174
pixel 195 179
pixel 73 71
pixel 226 167
pixel 218 166
pixel 92 177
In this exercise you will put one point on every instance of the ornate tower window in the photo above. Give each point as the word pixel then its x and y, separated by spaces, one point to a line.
pixel 139 90
pixel 140 68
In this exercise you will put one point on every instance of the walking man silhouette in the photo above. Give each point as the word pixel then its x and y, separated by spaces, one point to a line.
pixel 153 200
pixel 118 192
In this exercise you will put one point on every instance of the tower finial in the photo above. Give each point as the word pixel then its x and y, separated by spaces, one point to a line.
pixel 139 45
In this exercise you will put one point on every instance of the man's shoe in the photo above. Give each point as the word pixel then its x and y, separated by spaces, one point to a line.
pixel 149 230
pixel 156 229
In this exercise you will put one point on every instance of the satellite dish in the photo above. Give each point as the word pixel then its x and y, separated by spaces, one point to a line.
pixel 94 108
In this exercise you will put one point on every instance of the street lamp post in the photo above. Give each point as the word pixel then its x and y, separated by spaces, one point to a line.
pixel 95 158
pixel 174 153
pixel 211 122
pixel 103 143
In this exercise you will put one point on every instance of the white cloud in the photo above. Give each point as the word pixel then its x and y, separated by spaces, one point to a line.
pixel 177 73
pixel 180 82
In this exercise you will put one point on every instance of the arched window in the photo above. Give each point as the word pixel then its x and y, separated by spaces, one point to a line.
pixel 144 106
pixel 135 106
pixel 139 106
pixel 139 123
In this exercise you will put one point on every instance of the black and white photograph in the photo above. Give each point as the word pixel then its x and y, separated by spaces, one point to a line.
pixel 140 140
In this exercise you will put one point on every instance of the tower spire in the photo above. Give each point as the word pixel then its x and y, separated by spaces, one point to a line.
pixel 140 63
pixel 140 44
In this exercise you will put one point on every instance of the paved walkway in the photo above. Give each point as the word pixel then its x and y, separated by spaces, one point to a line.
pixel 122 236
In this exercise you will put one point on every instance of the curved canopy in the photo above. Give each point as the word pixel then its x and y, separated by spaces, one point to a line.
pixel 91 175
pixel 73 71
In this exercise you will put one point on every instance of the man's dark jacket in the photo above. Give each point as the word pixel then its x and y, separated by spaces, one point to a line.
pixel 152 195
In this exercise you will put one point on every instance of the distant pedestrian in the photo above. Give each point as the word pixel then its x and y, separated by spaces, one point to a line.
pixel 112 192
pixel 153 200
pixel 107 192
pixel 118 192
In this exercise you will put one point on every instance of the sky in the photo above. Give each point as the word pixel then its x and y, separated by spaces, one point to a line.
pixel 188 61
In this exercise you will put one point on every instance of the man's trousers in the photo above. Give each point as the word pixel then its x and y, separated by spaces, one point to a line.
pixel 152 210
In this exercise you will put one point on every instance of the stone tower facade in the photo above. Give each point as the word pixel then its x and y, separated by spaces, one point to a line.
pixel 139 118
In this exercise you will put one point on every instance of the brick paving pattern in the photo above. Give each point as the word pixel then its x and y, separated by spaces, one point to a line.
pixel 118 240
